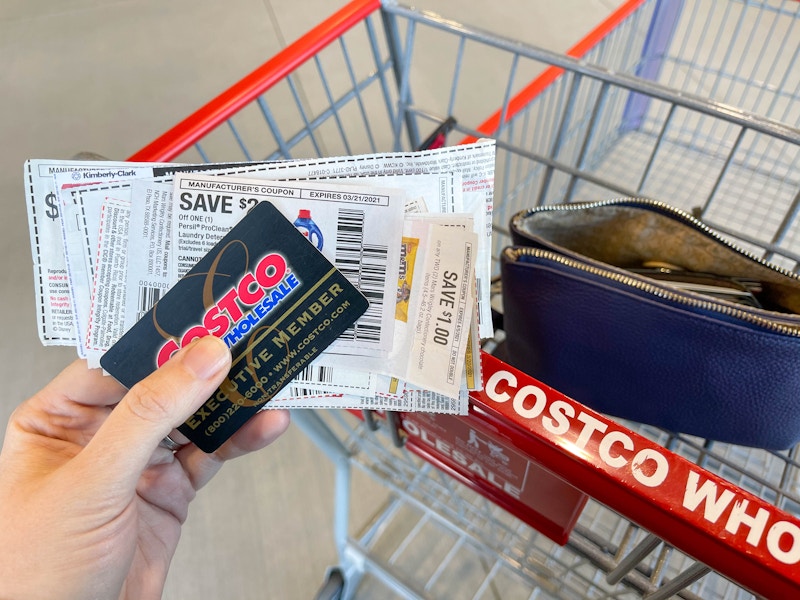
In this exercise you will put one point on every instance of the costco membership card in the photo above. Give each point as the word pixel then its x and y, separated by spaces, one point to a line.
pixel 274 299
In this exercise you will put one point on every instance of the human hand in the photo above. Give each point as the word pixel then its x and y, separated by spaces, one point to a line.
pixel 90 505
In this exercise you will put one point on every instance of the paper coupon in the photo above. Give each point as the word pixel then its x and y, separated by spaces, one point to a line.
pixel 148 276
pixel 81 207
pixel 428 401
pixel 322 380
pixel 343 402
pixel 109 288
pixel 439 285
pixel 53 302
pixel 354 227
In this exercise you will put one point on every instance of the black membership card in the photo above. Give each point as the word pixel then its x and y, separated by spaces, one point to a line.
pixel 273 298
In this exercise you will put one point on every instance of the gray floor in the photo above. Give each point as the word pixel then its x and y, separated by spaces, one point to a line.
pixel 107 77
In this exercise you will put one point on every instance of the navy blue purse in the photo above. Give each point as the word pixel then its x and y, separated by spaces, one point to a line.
pixel 641 311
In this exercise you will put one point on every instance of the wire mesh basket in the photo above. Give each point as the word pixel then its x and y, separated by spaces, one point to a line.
pixel 695 106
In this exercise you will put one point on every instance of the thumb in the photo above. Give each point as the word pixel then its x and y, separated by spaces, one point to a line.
pixel 122 447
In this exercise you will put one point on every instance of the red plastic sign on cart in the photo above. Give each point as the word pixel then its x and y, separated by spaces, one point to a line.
pixel 474 450
pixel 698 512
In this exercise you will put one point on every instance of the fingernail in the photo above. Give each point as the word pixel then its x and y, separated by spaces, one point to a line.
pixel 206 356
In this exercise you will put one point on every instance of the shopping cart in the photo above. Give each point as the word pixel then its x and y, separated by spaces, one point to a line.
pixel 692 102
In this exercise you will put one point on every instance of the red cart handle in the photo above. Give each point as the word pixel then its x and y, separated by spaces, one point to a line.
pixel 732 531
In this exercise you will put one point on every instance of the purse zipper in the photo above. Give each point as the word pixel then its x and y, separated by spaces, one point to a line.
pixel 792 330
pixel 671 211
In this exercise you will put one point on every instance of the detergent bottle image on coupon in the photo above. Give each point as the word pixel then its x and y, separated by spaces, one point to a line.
pixel 308 228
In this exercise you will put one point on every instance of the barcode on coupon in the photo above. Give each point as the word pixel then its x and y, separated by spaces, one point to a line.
pixel 294 391
pixel 316 374
pixel 364 265
pixel 148 296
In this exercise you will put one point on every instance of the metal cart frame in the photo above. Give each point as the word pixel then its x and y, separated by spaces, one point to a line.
pixel 687 101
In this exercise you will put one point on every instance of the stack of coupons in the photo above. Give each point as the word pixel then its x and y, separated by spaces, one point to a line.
pixel 411 232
